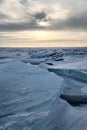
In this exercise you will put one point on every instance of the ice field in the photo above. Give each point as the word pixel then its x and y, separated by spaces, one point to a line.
pixel 31 82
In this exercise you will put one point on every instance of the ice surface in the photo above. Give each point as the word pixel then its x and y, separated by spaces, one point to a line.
pixel 84 90
pixel 26 95
pixel 65 117
pixel 29 94
pixel 76 70
pixel 56 56
pixel 68 72
pixel 80 65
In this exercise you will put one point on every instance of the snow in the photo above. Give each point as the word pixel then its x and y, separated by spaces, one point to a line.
pixel 80 65
pixel 65 117
pixel 73 73
pixel 26 95
pixel 76 70
pixel 84 90
pixel 30 94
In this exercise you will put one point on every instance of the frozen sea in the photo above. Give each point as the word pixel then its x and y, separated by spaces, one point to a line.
pixel 30 94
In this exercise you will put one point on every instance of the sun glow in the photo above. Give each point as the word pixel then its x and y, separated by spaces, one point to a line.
pixel 43 23
pixel 43 39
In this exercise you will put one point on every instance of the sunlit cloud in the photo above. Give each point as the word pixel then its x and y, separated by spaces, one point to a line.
pixel 28 14
pixel 42 21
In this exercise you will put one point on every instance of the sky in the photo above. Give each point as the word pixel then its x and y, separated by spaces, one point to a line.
pixel 43 23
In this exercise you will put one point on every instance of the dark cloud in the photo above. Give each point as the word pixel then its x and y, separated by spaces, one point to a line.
pixel 24 2
pixel 33 25
pixel 17 27
pixel 1 1
pixel 75 22
pixel 3 16
pixel 71 23
pixel 40 15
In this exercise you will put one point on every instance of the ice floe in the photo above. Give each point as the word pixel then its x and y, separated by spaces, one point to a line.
pixel 25 89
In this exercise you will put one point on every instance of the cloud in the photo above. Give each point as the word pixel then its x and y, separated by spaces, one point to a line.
pixel 22 26
pixel 2 16
pixel 73 22
pixel 40 15
pixel 24 2
pixel 1 1
pixel 77 22
pixel 16 15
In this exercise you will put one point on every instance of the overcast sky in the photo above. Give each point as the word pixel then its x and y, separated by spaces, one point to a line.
pixel 28 22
